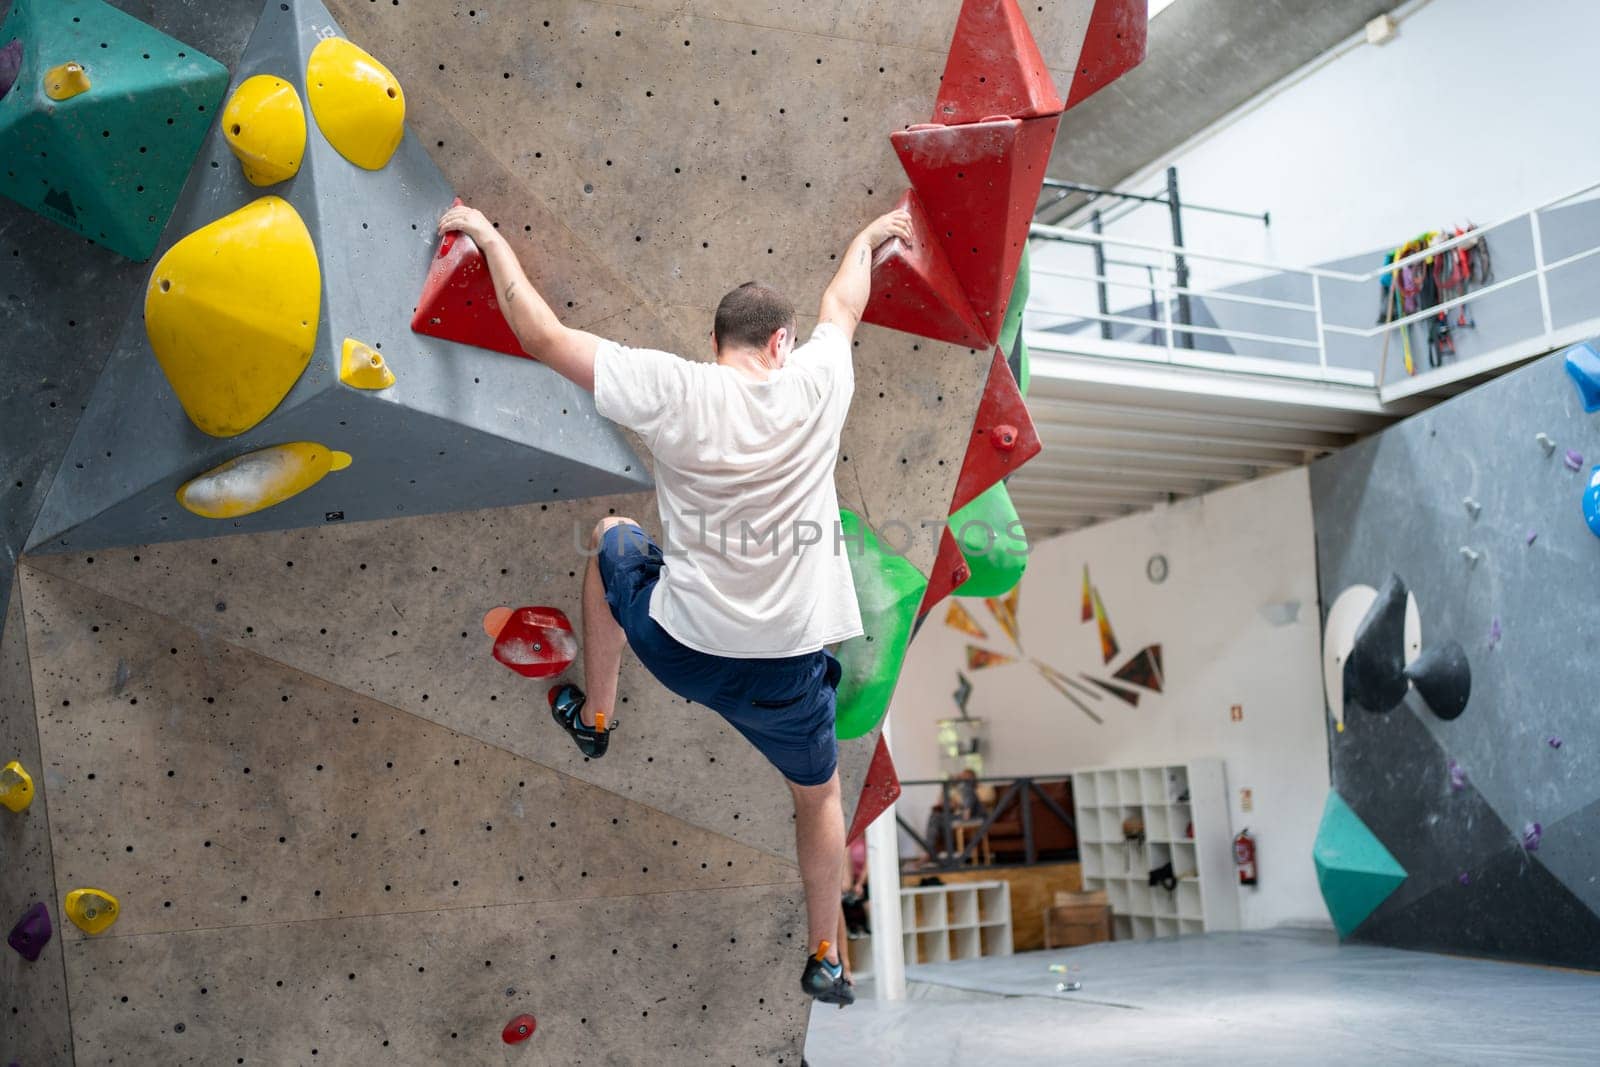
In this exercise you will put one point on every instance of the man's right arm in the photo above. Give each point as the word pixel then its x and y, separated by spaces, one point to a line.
pixel 566 351
pixel 845 299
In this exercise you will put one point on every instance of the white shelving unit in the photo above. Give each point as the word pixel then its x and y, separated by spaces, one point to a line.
pixel 1184 807
pixel 953 922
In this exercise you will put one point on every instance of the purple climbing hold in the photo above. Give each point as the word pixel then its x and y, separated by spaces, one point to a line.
pixel 1583 366
pixel 1533 535
pixel 1458 777
pixel 1464 878
pixel 1553 742
pixel 31 933
pixel 1531 833
pixel 10 65
pixel 1494 631
pixel 1573 460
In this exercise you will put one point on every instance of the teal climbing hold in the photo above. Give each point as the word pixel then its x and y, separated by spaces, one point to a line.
pixel 1583 366
pixel 103 121
pixel 1355 872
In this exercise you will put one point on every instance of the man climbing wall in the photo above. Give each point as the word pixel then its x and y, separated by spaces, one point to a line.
pixel 757 584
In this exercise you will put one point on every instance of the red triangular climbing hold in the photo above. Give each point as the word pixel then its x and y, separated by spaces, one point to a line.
pixel 1113 45
pixel 914 289
pixel 1003 437
pixel 458 301
pixel 881 789
pixel 994 67
pixel 949 570
pixel 979 185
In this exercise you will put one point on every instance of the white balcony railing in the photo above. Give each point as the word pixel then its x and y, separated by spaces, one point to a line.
pixel 1299 346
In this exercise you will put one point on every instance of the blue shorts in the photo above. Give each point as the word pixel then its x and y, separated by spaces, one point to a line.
pixel 783 706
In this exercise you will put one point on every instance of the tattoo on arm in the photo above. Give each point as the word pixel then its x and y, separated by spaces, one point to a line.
pixel 863 259
pixel 511 292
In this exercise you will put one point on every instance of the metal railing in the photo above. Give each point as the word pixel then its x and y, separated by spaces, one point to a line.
pixel 1172 338
pixel 1021 793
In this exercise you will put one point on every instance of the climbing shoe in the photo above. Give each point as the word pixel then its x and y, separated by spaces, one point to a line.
pixel 566 707
pixel 825 981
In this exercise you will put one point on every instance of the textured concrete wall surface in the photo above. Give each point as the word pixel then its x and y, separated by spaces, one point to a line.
pixel 339 831
pixel 1494 815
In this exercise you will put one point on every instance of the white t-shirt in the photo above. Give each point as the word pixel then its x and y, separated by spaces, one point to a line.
pixel 744 481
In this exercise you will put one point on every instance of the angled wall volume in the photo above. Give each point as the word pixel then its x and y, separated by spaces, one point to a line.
pixel 460 428
pixel 102 122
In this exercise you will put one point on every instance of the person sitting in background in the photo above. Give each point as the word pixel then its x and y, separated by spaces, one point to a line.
pixel 855 891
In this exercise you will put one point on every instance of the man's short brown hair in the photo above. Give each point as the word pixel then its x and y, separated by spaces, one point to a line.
pixel 749 315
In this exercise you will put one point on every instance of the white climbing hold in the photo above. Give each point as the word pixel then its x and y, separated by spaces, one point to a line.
pixel 1472 506
pixel 1546 443
pixel 1471 556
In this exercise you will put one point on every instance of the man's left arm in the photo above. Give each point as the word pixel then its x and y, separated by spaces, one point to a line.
pixel 568 352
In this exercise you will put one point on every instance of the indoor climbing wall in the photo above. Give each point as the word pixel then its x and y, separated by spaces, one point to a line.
pixel 1455 561
pixel 245 660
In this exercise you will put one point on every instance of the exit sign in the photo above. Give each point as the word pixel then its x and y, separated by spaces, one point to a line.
pixel 1236 713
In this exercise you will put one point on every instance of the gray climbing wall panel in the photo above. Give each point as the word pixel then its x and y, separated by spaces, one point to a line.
pixel 33 996
pixel 1524 612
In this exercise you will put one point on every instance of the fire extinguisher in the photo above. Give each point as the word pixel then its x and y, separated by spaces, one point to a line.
pixel 1244 857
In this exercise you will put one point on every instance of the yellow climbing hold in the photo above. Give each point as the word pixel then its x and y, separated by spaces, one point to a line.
pixel 265 125
pixel 260 479
pixel 231 312
pixel 357 102
pixel 92 910
pixel 361 367
pixel 16 787
pixel 65 81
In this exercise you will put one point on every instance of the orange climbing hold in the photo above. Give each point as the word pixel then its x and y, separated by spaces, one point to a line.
pixel 915 290
pixel 495 621
pixel 458 300
pixel 995 67
pixel 979 184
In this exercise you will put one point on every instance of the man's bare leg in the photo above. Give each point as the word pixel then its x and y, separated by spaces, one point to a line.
pixel 819 842
pixel 603 639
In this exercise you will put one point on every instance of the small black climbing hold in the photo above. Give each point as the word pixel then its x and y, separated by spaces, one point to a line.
pixel 1374 673
pixel 1443 678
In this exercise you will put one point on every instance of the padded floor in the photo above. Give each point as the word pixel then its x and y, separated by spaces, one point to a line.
pixel 1284 996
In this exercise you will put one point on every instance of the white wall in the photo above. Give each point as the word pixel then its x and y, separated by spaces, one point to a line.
pixel 1478 110
pixel 1230 553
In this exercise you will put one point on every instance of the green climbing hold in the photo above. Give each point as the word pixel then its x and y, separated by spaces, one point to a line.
pixel 1354 870
pixel 889 589
pixel 103 122
pixel 1011 324
pixel 992 541
pixel 1019 365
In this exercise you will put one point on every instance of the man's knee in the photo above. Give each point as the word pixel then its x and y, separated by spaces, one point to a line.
pixel 605 524
pixel 816 797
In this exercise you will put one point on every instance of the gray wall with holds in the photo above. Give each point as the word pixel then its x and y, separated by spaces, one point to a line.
pixel 340 832
pixel 1502 861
